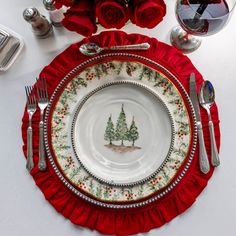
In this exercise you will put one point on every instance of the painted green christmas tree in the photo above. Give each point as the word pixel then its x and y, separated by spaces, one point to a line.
pixel 121 127
pixel 121 133
pixel 109 132
pixel 133 134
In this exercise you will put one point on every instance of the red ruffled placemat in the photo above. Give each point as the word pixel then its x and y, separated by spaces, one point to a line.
pixel 134 220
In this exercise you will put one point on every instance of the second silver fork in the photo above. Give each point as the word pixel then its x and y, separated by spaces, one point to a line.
pixel 42 103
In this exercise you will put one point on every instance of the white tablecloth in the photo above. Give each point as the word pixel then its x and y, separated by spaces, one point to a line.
pixel 23 209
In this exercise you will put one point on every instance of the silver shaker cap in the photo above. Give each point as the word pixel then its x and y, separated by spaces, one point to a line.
pixel 29 14
pixel 49 4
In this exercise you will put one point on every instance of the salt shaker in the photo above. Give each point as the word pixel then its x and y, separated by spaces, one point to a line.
pixel 56 15
pixel 40 25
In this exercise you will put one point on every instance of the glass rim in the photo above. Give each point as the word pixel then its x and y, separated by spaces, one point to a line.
pixel 219 17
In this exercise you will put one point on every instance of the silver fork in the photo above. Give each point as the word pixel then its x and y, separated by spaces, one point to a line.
pixel 42 103
pixel 31 108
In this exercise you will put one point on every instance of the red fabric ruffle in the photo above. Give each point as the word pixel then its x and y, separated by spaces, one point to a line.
pixel 122 221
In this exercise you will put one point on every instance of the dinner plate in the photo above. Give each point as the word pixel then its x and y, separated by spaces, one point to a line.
pixel 120 133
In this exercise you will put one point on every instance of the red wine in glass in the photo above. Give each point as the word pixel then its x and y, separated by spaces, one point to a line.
pixel 202 18
pixel 199 18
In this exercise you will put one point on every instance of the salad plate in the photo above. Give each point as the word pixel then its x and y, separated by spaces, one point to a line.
pixel 122 132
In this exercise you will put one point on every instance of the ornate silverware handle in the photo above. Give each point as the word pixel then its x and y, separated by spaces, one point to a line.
pixel 215 160
pixel 203 158
pixel 42 161
pixel 142 46
pixel 29 162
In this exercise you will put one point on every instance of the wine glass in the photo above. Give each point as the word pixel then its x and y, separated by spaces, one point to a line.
pixel 199 18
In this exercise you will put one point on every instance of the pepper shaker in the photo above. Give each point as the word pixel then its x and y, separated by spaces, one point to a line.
pixel 56 15
pixel 40 25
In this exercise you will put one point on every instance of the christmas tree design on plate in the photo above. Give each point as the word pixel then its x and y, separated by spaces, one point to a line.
pixel 117 136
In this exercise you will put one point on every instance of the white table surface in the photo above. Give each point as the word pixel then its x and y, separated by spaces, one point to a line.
pixel 23 209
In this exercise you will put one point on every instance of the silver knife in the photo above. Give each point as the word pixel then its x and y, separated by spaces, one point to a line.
pixel 203 158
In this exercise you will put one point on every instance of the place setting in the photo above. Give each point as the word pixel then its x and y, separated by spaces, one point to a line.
pixel 121 132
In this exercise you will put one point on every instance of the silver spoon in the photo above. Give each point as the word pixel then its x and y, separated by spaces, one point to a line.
pixel 206 99
pixel 91 49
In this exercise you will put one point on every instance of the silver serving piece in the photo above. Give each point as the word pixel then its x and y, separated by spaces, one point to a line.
pixel 9 55
pixel 31 108
pixel 203 158
pixel 206 99
pixel 42 103
pixel 91 49
pixel 4 36
pixel 10 45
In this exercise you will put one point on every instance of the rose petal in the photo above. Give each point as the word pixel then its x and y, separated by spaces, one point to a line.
pixel 111 14
pixel 80 23
pixel 147 14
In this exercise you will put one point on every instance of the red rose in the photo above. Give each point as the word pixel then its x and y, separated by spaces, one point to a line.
pixel 147 14
pixel 59 3
pixel 81 18
pixel 111 13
